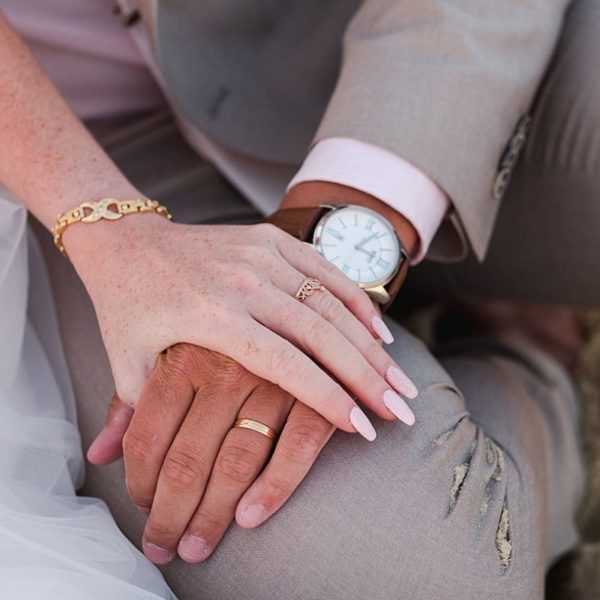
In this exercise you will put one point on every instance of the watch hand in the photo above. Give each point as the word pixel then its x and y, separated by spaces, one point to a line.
pixel 367 239
pixel 371 255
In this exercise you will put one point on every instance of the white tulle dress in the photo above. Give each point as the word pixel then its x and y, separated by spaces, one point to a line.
pixel 53 544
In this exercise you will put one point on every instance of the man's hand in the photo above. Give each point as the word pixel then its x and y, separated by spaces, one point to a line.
pixel 189 469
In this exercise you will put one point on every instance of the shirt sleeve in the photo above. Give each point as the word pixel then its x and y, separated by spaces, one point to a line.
pixel 381 174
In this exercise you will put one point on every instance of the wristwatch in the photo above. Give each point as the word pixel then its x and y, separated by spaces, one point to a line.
pixel 359 241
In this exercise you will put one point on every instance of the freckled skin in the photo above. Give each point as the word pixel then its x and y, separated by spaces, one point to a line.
pixel 155 284
pixel 217 287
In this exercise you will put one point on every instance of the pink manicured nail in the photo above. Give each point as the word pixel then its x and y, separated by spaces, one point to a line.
pixel 192 548
pixel 361 423
pixel 397 406
pixel 382 330
pixel 401 383
pixel 253 515
pixel 158 555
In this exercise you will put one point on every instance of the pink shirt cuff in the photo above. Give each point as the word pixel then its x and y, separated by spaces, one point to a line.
pixel 382 174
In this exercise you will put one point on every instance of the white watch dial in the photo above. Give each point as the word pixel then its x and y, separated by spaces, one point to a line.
pixel 360 242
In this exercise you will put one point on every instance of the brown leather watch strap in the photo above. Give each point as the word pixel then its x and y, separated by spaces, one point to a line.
pixel 393 287
pixel 299 222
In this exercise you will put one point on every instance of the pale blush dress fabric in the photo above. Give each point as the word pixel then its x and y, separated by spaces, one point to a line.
pixel 53 544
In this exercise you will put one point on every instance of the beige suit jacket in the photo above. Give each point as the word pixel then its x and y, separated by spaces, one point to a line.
pixel 445 84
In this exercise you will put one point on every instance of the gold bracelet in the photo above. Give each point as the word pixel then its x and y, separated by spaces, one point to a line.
pixel 90 212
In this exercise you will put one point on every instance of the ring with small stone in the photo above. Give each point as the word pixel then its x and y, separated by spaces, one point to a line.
pixel 308 287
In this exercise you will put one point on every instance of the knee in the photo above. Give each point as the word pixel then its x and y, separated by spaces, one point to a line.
pixel 477 490
pixel 469 479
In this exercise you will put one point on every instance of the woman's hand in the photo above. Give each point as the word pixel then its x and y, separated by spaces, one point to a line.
pixel 189 469
pixel 231 289
pixel 155 284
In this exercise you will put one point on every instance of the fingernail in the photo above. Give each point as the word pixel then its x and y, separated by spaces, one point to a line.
pixel 398 379
pixel 361 423
pixel 192 548
pixel 382 330
pixel 143 509
pixel 158 555
pixel 254 515
pixel 398 407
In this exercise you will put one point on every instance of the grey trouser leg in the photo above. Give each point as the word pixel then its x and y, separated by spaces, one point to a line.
pixel 472 502
pixel 546 243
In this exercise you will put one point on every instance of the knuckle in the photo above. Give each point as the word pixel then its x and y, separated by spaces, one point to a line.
pixel 182 469
pixel 379 358
pixel 159 531
pixel 369 378
pixel 217 370
pixel 238 463
pixel 359 300
pixel 316 333
pixel 330 307
pixel 275 491
pixel 139 497
pixel 244 279
pixel 231 371
pixel 328 269
pixel 334 396
pixel 180 363
pixel 282 361
pixel 267 231
pixel 304 442
pixel 321 264
pixel 183 353
pixel 136 448
pixel 271 394
pixel 373 348
pixel 259 254
pixel 205 521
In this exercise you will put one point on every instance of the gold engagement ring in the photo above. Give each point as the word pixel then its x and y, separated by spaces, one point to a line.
pixel 308 287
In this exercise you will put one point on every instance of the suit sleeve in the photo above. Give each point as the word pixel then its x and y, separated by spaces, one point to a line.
pixel 442 84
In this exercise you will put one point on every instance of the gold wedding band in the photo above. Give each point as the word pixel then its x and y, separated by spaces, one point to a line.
pixel 308 287
pixel 258 427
